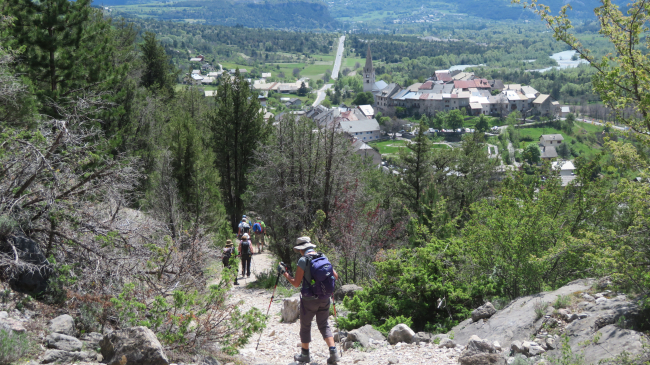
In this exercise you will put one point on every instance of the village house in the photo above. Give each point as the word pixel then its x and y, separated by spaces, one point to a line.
pixel 567 171
pixel 456 90
pixel 365 130
pixel 548 144
pixel 366 152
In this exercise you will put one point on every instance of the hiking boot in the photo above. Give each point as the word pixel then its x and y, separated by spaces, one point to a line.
pixel 236 283
pixel 301 358
pixel 334 357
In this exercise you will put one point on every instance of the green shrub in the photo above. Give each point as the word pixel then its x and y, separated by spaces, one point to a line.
pixel 567 356
pixel 540 309
pixel 13 346
pixel 189 318
pixel 409 285
pixel 562 301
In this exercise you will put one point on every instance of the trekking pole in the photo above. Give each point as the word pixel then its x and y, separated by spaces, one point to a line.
pixel 336 319
pixel 277 280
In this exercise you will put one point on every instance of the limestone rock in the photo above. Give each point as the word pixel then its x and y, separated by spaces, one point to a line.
pixel 92 339
pixel 550 344
pixel 348 290
pixel 136 345
pixel 401 333
pixel 393 360
pixel 497 345
pixel 65 357
pixel 63 324
pixel 290 309
pixel 363 336
pixel 63 342
pixel 535 349
pixel 517 347
pixel 10 324
pixel 447 343
pixel 480 352
pixel 423 337
pixel 484 311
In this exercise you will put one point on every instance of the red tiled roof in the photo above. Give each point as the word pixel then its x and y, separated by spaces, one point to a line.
pixel 462 84
pixel 444 77
pixel 426 86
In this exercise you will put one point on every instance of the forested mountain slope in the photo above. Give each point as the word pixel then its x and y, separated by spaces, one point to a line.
pixel 284 14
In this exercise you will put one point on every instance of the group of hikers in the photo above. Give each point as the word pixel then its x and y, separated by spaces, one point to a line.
pixel 314 273
pixel 245 249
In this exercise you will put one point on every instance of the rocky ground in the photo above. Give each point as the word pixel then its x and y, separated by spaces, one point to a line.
pixel 598 322
pixel 280 341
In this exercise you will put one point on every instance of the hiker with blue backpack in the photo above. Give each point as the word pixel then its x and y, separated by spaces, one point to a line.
pixel 318 278
pixel 258 234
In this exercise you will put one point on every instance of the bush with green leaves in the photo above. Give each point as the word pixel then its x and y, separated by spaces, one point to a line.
pixel 13 346
pixel 562 301
pixel 190 319
pixel 419 286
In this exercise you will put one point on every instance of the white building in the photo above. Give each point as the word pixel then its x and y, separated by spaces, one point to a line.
pixel 366 130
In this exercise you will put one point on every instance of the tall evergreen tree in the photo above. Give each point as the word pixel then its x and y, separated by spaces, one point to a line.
pixel 158 72
pixel 417 162
pixel 238 127
pixel 60 53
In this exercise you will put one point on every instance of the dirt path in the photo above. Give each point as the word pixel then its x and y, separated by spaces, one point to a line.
pixel 280 341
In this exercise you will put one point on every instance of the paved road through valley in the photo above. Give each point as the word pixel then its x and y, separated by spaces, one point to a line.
pixel 339 57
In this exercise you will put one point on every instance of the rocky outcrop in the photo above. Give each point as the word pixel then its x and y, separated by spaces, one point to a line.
pixel 65 357
pixel 401 333
pixel 10 324
pixel 517 323
pixel 62 324
pixel 92 339
pixel 366 336
pixel 290 309
pixel 135 345
pixel 63 342
pixel 348 290
pixel 484 311
pixel 481 352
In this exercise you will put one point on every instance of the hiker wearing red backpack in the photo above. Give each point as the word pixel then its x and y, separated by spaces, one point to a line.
pixel 318 279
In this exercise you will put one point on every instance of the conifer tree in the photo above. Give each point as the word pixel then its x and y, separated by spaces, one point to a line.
pixel 418 167
pixel 158 72
pixel 238 128
pixel 51 32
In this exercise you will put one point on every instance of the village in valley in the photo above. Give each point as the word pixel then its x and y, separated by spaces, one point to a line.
pixel 379 130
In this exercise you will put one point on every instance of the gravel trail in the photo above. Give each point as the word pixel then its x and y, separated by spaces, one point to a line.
pixel 280 341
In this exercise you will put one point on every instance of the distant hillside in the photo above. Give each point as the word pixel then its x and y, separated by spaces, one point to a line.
pixel 390 11
pixel 282 14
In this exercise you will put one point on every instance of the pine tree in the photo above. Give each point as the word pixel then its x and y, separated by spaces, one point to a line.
pixel 302 91
pixel 238 127
pixel 158 72
pixel 51 32
pixel 418 167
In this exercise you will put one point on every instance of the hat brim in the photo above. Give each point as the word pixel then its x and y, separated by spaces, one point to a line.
pixel 304 246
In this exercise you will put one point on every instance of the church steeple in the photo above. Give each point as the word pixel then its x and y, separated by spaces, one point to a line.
pixel 368 67
pixel 368 73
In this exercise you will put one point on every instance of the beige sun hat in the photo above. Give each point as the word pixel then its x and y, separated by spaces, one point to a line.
pixel 228 243
pixel 303 243
pixel 246 236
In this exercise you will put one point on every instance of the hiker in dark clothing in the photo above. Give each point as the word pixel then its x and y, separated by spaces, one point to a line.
pixel 310 305
pixel 246 253
pixel 228 255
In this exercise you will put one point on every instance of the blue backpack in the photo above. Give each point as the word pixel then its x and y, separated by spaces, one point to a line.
pixel 322 277
pixel 257 228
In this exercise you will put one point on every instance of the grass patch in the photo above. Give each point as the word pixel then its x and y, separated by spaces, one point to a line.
pixel 581 131
pixel 13 346
pixel 440 146
pixel 540 309
pixel 390 147
pixel 562 301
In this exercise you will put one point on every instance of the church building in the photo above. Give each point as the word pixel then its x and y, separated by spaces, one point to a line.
pixel 369 83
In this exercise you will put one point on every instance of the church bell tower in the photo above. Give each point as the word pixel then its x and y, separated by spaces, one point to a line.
pixel 368 73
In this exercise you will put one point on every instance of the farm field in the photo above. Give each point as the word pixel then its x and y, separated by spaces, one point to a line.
pixel 583 140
